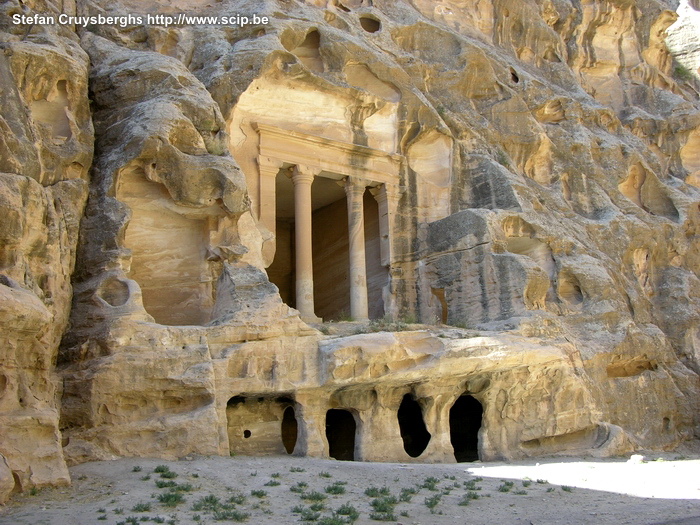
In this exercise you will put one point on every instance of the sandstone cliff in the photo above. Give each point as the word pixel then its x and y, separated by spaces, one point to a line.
pixel 532 197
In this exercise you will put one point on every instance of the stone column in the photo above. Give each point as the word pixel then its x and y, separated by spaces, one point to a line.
pixel 387 197
pixel 302 177
pixel 267 204
pixel 354 190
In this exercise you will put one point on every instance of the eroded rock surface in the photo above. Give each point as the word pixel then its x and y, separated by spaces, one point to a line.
pixel 527 174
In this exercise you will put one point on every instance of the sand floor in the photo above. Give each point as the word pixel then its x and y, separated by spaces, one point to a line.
pixel 663 489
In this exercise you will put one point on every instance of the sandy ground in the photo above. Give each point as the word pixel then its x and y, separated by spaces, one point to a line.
pixel 663 489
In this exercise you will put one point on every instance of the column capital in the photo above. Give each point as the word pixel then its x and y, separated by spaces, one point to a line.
pixel 301 174
pixel 270 162
pixel 353 185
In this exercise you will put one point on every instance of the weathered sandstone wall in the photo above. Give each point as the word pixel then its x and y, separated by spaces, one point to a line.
pixel 532 198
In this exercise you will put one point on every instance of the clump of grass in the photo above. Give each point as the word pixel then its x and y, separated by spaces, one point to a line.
pixel 161 468
pixel 168 475
pixel 275 475
pixel 471 485
pixel 407 493
pixel 383 508
pixel 171 499
pixel 432 502
pixel 306 514
pixel 119 511
pixel 324 474
pixel 374 492
pixel 182 487
pixel 317 507
pixel 159 519
pixel 566 488
pixel 332 520
pixel 299 487
pixel 349 511
pixel 165 484
pixel 550 489
pixel 102 518
pixel 258 493
pixel 141 507
pixel 297 469
pixel 505 486
pixel 238 498
pixel 230 515
pixel 430 483
pixel 314 495
pixel 682 73
pixel 137 468
pixel 208 503
pixel 146 477
pixel 527 483
pixel 542 482
pixel 336 488
pixel 272 483
pixel 520 492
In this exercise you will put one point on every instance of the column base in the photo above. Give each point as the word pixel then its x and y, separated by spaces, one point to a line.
pixel 312 319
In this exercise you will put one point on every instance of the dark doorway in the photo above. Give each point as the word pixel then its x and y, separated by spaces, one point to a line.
pixel 340 433
pixel 289 429
pixel 465 422
pixel 413 431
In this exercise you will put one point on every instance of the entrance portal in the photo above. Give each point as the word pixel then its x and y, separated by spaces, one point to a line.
pixel 413 431
pixel 465 422
pixel 289 429
pixel 340 433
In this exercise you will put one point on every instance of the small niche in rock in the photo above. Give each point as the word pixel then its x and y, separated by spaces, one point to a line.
pixel 514 76
pixel 370 24
pixel 340 433
pixel 414 433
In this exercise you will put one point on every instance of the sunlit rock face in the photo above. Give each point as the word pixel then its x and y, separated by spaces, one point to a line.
pixel 519 177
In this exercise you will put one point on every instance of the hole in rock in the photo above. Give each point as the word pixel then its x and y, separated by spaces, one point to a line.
pixel 340 433
pixel 342 7
pixel 465 422
pixel 3 384
pixel 308 52
pixel 289 429
pixel 630 367
pixel 414 433
pixel 254 424
pixel 370 24
pixel 114 292
pixel 666 424
pixel 514 76
pixel 18 483
pixel 569 289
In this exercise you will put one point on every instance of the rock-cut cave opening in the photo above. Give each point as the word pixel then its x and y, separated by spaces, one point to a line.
pixel 414 433
pixel 289 429
pixel 340 433
pixel 465 422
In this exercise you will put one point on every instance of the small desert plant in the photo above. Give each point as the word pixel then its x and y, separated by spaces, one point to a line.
pixel 141 507
pixel 520 492
pixel 349 511
pixel 432 502
pixel 258 493
pixel 407 493
pixel 168 475
pixel 505 486
pixel 566 488
pixel 230 515
pixel 272 483
pixel 682 73
pixel 161 468
pixel 237 498
pixel 299 487
pixel 297 469
pixel 550 489
pixel 146 477
pixel 471 485
pixel 314 495
pixel 542 481
pixel 275 475
pixel 119 511
pixel 171 499
pixel 137 468
pixel 430 483
pixel 308 514
pixel 527 483
pixel 325 474
pixel 336 488
pixel 374 492
pixel 207 503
